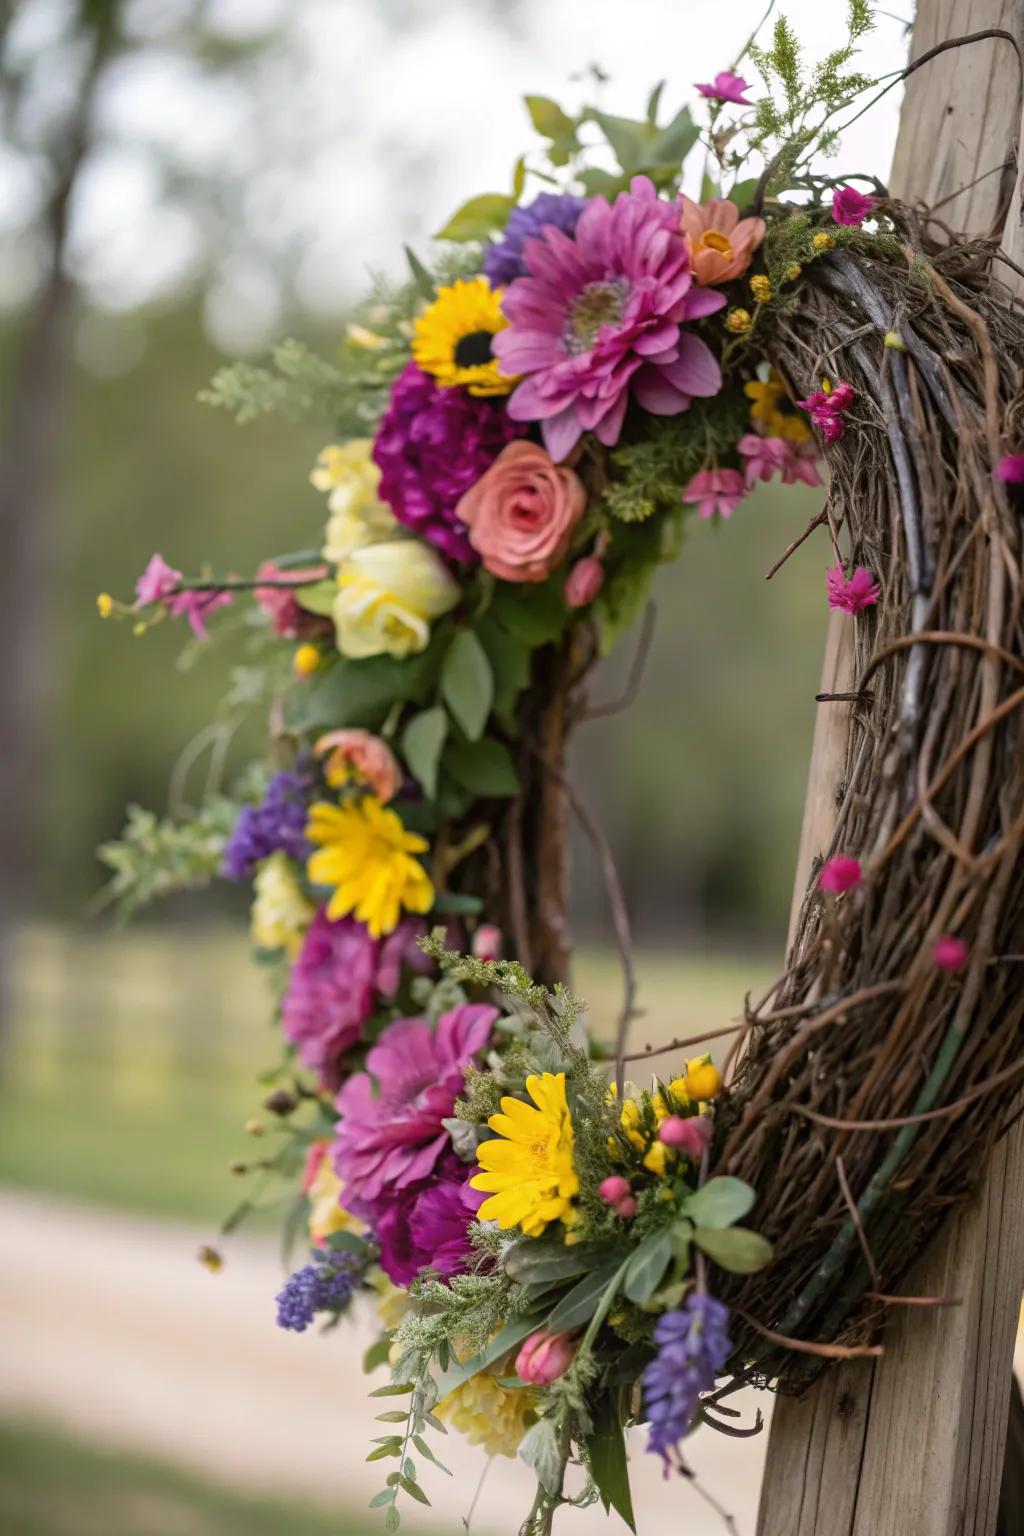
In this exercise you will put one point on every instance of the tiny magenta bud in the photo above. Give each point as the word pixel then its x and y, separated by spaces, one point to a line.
pixel 950 953
pixel 840 875
pixel 544 1357
pixel 613 1189
pixel 584 581
pixel 626 1207
pixel 689 1135
pixel 488 942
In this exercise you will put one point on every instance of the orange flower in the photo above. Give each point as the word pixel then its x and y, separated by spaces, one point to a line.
pixel 721 244
pixel 359 756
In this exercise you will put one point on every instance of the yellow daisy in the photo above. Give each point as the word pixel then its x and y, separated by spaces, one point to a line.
pixel 452 338
pixel 367 855
pixel 528 1170
pixel 489 1414
pixel 768 410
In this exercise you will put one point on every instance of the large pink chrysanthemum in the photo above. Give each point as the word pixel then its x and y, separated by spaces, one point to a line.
pixel 598 320
pixel 392 1138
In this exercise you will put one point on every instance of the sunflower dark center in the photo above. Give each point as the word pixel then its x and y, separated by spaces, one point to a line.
pixel 474 350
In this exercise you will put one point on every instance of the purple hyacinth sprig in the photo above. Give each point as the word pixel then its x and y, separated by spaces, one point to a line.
pixel 325 1285
pixel 693 1346
pixel 503 259
pixel 276 824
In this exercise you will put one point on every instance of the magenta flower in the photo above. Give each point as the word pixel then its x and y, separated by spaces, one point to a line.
pixel 850 206
pixel 428 1226
pixel 763 456
pixel 715 490
pixel 1010 470
pixel 157 581
pixel 950 953
pixel 851 594
pixel 726 87
pixel 544 1357
pixel 197 607
pixel 338 980
pixel 598 320
pixel 839 875
pixel 801 464
pixel 390 1139
pixel 827 408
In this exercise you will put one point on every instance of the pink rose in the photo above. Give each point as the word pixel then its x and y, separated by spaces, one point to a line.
pixel 521 513
pixel 544 1357
pixel 358 755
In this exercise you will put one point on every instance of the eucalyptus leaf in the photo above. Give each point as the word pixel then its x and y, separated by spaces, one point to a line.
pixel 647 1266
pixel 541 1449
pixel 535 1261
pixel 512 1334
pixel 422 741
pixel 386 1496
pixel 467 683
pixel 719 1202
pixel 578 1306
pixel 735 1248
pixel 392 1519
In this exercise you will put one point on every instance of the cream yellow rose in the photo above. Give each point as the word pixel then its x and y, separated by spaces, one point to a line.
pixel 388 594
pixel 280 912
pixel 358 516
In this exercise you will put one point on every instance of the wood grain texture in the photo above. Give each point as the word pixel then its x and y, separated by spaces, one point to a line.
pixel 913 1444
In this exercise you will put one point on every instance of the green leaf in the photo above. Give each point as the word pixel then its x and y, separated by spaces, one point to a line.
pixel 392 1519
pixel 422 741
pixel 420 276
pixel 386 1496
pixel 653 103
pixel 362 692
pixel 467 683
pixel 736 1248
pixel 647 1266
pixel 509 657
pixel 519 177
pixel 318 597
pixel 479 218
pixel 394 1389
pixel 377 1354
pixel 709 187
pixel 538 1261
pixel 541 1449
pixel 384 1450
pixel 579 1306
pixel 719 1203
pixel 674 142
pixel 484 767
pixel 536 616
pixel 606 1448
pixel 393 1416
pixel 630 140
pixel 548 118
pixel 458 903
pixel 742 192
pixel 506 1339
pixel 347 1242
pixel 424 1450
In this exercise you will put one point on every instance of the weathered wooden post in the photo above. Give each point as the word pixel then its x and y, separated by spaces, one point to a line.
pixel 913 1444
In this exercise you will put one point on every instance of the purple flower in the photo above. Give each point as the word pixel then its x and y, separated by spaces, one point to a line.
pixel 850 206
pixel 726 87
pixel 197 607
pixel 428 1226
pixel 326 1285
pixel 432 444
pixel 693 1345
pixel 503 259
pixel 598 321
pixel 337 980
pixel 390 1139
pixel 277 824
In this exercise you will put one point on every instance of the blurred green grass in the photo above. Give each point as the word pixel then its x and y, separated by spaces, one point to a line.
pixel 135 1058
pixel 53 1485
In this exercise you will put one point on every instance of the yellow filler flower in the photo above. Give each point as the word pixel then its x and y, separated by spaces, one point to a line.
pixel 528 1170
pixel 771 412
pixel 452 339
pixel 369 858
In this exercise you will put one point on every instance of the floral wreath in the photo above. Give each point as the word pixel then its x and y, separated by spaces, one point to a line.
pixel 556 1252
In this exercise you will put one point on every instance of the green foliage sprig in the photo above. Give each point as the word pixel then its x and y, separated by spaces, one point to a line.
pixel 157 856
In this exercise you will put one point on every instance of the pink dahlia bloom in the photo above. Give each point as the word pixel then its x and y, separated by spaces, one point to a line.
pixel 598 320
pixel 340 977
pixel 851 594
pixel 726 87
pixel 390 1139
pixel 850 206
pixel 715 490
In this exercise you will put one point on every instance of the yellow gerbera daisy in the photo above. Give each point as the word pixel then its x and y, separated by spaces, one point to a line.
pixel 367 855
pixel 769 397
pixel 452 339
pixel 529 1171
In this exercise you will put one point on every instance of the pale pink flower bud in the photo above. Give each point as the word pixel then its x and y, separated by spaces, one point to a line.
pixel 487 942
pixel 690 1135
pixel 626 1208
pixel 613 1189
pixel 544 1357
pixel 584 582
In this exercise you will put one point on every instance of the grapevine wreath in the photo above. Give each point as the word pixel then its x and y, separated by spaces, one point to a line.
pixel 554 1236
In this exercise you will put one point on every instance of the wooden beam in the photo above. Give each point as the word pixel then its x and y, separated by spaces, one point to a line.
pixel 913 1444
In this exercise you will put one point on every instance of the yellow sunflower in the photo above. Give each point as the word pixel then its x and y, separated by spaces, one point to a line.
pixel 767 411
pixel 452 338
pixel 528 1170
pixel 367 855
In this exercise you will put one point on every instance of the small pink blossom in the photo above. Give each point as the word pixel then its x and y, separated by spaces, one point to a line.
pixel 851 594
pixel 281 605
pixel 544 1357
pixel 801 464
pixel 197 607
pixel 689 1134
pixel 840 874
pixel 1010 469
pixel 584 582
pixel 715 490
pixel 613 1189
pixel 157 581
pixel 827 407
pixel 950 953
pixel 356 754
pixel 726 87
pixel 850 206
pixel 626 1208
pixel 488 942
pixel 763 456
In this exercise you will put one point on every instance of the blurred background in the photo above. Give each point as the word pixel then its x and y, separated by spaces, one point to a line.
pixel 183 181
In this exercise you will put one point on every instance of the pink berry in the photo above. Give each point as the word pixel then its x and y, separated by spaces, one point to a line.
pixel 840 874
pixel 950 953
pixel 691 1135
pixel 613 1189
pixel 626 1208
